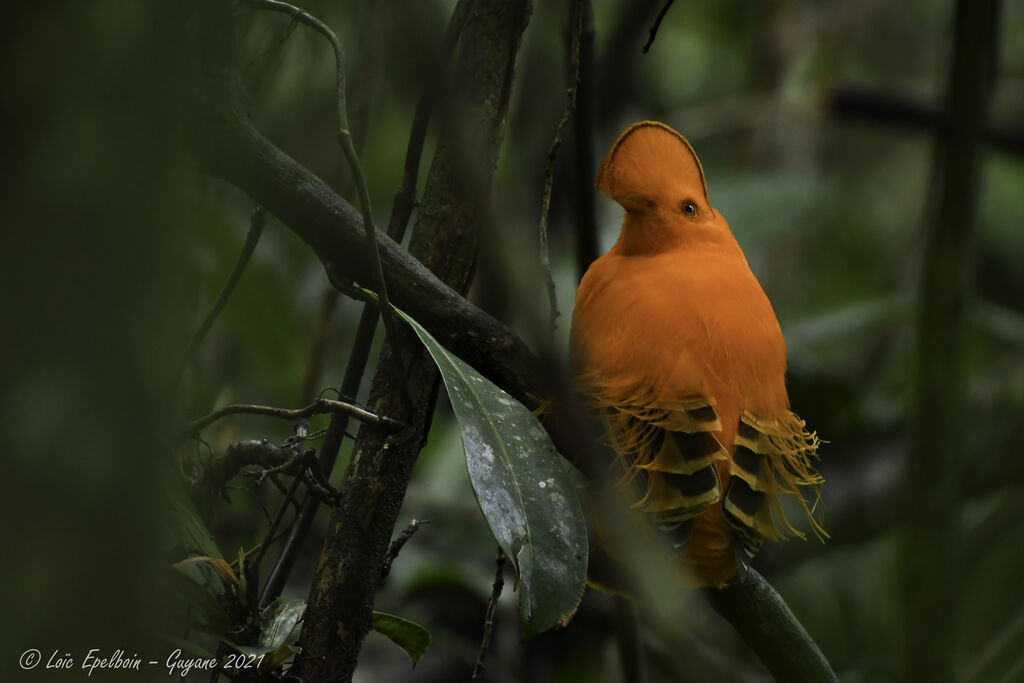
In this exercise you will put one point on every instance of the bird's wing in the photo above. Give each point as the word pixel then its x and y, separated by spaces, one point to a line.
pixel 772 457
pixel 669 454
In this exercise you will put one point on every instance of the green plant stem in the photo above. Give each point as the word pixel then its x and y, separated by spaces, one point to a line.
pixel 352 157
pixel 345 138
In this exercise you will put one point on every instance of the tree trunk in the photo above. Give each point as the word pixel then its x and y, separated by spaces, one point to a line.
pixel 340 608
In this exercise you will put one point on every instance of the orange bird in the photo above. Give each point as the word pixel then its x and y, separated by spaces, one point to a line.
pixel 678 348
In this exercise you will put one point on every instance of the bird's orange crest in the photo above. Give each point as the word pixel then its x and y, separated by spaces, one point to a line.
pixel 648 165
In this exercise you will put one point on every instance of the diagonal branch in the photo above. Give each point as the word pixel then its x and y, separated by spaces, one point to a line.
pixel 257 222
pixel 240 154
pixel 764 621
pixel 653 32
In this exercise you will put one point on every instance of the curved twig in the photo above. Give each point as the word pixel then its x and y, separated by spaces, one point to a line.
pixel 320 406
pixel 352 157
pixel 549 169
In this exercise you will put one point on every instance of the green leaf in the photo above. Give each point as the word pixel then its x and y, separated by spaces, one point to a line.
pixel 279 633
pixel 523 487
pixel 280 623
pixel 408 635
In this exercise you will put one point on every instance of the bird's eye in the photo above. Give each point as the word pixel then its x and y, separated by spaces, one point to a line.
pixel 688 208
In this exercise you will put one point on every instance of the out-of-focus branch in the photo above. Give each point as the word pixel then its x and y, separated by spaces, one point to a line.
pixel 256 224
pixel 933 475
pixel 899 110
pixel 584 212
pixel 238 153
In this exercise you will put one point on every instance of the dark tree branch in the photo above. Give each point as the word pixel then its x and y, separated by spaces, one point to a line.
pixel 215 475
pixel 575 37
pixel 616 67
pixel 766 624
pixel 275 523
pixel 238 153
pixel 405 198
pixel 492 604
pixel 398 544
pixel 654 27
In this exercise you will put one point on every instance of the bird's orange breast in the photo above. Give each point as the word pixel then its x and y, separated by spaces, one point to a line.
pixel 679 324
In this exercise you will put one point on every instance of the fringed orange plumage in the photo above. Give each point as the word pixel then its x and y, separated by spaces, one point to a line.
pixel 679 349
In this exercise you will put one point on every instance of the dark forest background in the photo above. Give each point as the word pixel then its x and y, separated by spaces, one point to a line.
pixel 869 157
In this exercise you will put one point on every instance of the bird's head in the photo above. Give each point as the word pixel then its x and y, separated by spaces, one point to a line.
pixel 654 174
